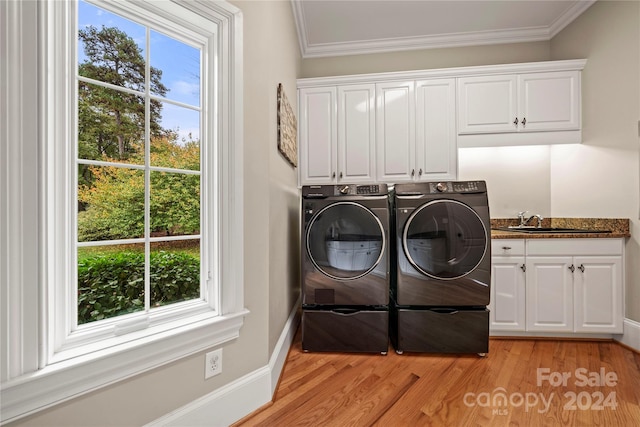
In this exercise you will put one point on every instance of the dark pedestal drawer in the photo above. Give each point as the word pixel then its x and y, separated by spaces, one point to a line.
pixel 440 330
pixel 345 330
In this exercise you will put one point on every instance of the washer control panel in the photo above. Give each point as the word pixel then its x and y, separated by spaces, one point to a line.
pixel 360 190
pixel 322 191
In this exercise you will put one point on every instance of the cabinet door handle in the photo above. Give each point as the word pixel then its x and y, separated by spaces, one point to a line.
pixel 572 268
pixel 515 122
pixel 523 267
pixel 413 172
pixel 340 175
pixel 333 175
pixel 524 122
pixel 581 268
pixel 506 248
pixel 420 172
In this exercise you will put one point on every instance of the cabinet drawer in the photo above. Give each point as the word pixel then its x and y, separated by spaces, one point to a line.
pixel 507 247
pixel 574 247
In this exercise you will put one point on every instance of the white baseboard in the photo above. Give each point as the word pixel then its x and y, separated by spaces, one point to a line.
pixel 238 399
pixel 631 335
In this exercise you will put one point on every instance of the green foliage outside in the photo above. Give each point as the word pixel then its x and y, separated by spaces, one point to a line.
pixel 114 202
pixel 111 283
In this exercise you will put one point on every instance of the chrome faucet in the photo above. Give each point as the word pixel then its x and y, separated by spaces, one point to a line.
pixel 524 222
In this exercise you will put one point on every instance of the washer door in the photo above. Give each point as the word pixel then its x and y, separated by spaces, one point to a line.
pixel 445 239
pixel 345 240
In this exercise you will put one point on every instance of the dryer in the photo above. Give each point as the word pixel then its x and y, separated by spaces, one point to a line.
pixel 345 268
pixel 442 276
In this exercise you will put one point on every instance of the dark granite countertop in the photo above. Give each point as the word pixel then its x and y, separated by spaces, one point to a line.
pixel 618 228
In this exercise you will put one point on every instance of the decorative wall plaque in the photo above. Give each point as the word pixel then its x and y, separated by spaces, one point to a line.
pixel 287 129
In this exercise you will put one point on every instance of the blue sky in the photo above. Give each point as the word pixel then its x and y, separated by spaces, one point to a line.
pixel 179 62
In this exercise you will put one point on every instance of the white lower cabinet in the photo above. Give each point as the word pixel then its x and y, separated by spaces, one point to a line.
pixel 507 306
pixel 598 294
pixel 557 285
pixel 549 294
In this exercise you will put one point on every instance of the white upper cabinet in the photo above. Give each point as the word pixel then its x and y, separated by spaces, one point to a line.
pixel 407 126
pixel 416 131
pixel 356 133
pixel 337 134
pixel 436 148
pixel 395 130
pixel 520 104
pixel 549 101
pixel 523 103
pixel 487 104
pixel 318 135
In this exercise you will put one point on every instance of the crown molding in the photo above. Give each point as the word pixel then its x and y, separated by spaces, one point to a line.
pixel 476 38
pixel 569 16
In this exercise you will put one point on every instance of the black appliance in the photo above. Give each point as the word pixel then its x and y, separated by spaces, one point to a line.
pixel 442 271
pixel 345 268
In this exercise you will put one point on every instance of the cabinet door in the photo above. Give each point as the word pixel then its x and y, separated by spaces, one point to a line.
pixel 507 306
pixel 318 135
pixel 395 131
pixel 436 149
pixel 487 104
pixel 549 294
pixel 549 101
pixel 598 294
pixel 356 133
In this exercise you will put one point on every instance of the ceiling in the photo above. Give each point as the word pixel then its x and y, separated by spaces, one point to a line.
pixel 349 27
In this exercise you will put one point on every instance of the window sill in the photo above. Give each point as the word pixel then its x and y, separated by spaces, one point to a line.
pixel 61 381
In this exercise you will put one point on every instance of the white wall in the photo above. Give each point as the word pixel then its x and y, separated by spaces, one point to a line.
pixel 600 177
pixel 518 178
pixel 271 56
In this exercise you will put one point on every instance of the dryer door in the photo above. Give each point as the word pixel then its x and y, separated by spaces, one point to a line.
pixel 445 239
pixel 345 241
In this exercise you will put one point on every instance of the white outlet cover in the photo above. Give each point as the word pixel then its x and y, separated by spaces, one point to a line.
pixel 213 363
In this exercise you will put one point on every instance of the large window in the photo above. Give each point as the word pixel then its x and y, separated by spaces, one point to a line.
pixel 139 170
pixel 124 235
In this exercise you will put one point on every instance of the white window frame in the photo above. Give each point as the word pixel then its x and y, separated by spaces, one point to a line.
pixel 42 364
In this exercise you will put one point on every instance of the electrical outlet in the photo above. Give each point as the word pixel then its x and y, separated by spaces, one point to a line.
pixel 213 363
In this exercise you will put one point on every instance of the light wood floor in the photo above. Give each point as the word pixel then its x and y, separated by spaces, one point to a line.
pixel 329 389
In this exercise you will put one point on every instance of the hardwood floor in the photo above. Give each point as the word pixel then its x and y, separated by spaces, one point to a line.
pixel 519 383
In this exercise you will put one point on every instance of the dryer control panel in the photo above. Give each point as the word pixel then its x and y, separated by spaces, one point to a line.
pixel 440 187
pixel 457 187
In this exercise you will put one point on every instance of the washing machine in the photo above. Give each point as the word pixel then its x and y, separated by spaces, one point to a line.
pixel 442 272
pixel 345 268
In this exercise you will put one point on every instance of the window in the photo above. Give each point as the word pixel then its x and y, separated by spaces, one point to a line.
pixel 138 167
pixel 139 171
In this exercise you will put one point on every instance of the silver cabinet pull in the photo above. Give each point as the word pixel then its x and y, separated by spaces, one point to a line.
pixel 572 268
pixel 581 268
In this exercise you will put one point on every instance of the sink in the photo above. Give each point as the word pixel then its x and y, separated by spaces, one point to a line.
pixel 550 230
